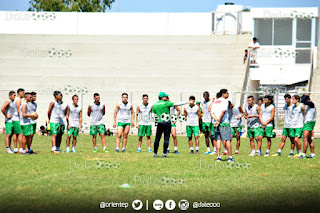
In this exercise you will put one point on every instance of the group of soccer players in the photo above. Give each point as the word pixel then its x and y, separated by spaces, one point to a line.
pixel 220 121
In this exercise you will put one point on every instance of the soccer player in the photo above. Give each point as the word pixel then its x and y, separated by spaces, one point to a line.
pixel 236 113
pixel 198 103
pixel 174 127
pixel 96 111
pixel 222 130
pixel 144 124
pixel 297 122
pixel 267 117
pixel 193 115
pixel 64 110
pixel 207 121
pixel 7 110
pixel 287 130
pixel 309 123
pixel 18 136
pixel 26 115
pixel 54 115
pixel 254 131
pixel 125 118
pixel 162 110
pixel 33 106
pixel 74 121
pixel 260 101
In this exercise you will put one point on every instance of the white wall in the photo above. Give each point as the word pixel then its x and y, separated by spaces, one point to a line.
pixel 73 23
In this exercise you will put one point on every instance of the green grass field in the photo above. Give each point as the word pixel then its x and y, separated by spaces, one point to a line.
pixel 72 182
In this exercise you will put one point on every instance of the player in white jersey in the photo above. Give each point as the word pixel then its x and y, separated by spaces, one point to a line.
pixel 18 136
pixel 144 124
pixel 297 122
pixel 174 117
pixel 74 121
pixel 96 111
pixel 254 126
pixel 54 115
pixel 64 109
pixel 125 114
pixel 26 116
pixel 33 106
pixel 192 113
pixel 287 129
pixel 235 114
pixel 7 110
pixel 267 117
pixel 207 126
pixel 309 123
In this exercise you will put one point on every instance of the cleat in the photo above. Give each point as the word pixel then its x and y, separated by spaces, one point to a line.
pixel 55 152
pixel 311 157
pixel 218 159
pixel 149 150
pixel 225 153
pixel 302 157
pixel 252 154
pixel 95 150
pixel 176 152
pixel 277 154
pixel 236 153
pixel 74 151
pixel 67 151
pixel 155 155
pixel 164 155
pixel 105 151
pixel 9 151
pixel 230 160
pixel 117 150
pixel 213 153
pixel 267 154
pixel 191 152
pixel 207 153
pixel 16 152
pixel 123 150
pixel 197 152
pixel 297 155
pixel 139 150
pixel 291 155
pixel 168 151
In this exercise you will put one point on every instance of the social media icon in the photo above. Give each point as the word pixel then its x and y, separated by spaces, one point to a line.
pixel 102 205
pixel 158 205
pixel 137 204
pixel 170 204
pixel 195 205
pixel 183 205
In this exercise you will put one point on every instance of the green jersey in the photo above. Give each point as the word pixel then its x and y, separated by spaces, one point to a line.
pixel 162 107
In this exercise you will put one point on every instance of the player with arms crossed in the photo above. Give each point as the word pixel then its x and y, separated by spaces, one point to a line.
pixel 125 118
pixel 267 116
pixel 74 121
pixel 287 130
pixel 96 111
pixel 193 114
pixel 144 124
pixel 254 131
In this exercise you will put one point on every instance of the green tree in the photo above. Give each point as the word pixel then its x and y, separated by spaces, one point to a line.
pixel 70 5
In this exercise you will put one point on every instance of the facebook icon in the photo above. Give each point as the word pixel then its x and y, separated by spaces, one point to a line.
pixel 170 205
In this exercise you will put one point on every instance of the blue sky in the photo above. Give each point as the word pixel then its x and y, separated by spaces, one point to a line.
pixel 174 5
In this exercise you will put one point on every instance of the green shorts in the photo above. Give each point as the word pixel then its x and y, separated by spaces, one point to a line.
pixel 74 131
pixel 234 130
pixel 288 132
pixel 33 128
pixel 26 129
pixel 97 129
pixel 255 132
pixel 9 128
pixel 192 129
pixel 145 130
pixel 123 124
pixel 298 132
pixel 17 127
pixel 206 127
pixel 268 132
pixel 309 126
pixel 56 128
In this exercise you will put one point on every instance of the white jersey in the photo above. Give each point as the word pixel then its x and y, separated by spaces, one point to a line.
pixel 288 115
pixel 10 110
pixel 96 114
pixel 310 115
pixel 255 121
pixel 15 116
pixel 74 114
pixel 33 106
pixel 266 113
pixel 56 112
pixel 297 121
pixel 206 118
pixel 234 114
pixel 63 113
pixel 24 120
pixel 124 113
pixel 220 105
pixel 145 114
pixel 192 116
